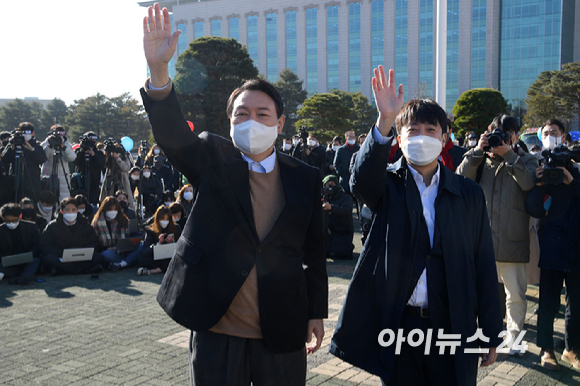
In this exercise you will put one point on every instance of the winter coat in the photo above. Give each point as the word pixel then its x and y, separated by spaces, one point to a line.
pixel 109 189
pixel 339 240
pixel 30 239
pixel 68 155
pixel 342 163
pixel 33 160
pixel 57 236
pixel 506 182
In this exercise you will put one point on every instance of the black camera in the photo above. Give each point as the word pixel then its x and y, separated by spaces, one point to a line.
pixel 144 146
pixel 17 138
pixel 111 147
pixel 86 142
pixel 496 138
pixel 303 133
pixel 561 156
pixel 55 141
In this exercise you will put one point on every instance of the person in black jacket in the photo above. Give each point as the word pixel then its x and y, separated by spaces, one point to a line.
pixel 31 160
pixel 67 231
pixel 178 214
pixel 163 172
pixel 96 165
pixel 558 208
pixel 29 214
pixel 162 231
pixel 255 228
pixel 342 159
pixel 18 236
pixel 311 153
pixel 338 208
pixel 150 189
pixel 330 154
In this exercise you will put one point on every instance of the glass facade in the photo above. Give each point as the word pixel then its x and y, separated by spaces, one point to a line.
pixel 452 92
pixel 253 38
pixel 182 39
pixel 332 46
pixel 377 33
pixel 216 27
pixel 197 29
pixel 235 28
pixel 426 49
pixel 271 48
pixel 530 43
pixel 291 42
pixel 354 47
pixel 312 50
pixel 478 41
pixel 401 35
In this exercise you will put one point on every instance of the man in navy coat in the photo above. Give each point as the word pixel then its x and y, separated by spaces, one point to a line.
pixel 415 273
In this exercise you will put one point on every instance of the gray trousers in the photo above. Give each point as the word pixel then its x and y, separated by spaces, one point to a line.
pixel 225 360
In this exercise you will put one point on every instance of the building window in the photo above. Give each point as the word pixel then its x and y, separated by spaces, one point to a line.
pixel 197 29
pixel 271 48
pixel 354 47
pixel 291 42
pixel 253 38
pixel 426 49
pixel 216 27
pixel 332 46
pixel 401 36
pixel 235 28
pixel 312 51
pixel 182 39
pixel 377 31
pixel 452 91
pixel 478 40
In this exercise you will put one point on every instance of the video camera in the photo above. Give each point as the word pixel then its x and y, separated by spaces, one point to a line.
pixel 561 156
pixel 111 147
pixel 87 142
pixel 496 138
pixel 55 141
pixel 144 146
pixel 303 133
pixel 17 137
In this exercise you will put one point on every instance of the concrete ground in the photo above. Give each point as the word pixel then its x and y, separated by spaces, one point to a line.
pixel 110 331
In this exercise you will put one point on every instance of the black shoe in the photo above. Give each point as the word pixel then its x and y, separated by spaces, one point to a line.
pixel 114 267
pixel 96 269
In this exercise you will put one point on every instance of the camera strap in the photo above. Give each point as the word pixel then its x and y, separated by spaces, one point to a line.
pixel 480 168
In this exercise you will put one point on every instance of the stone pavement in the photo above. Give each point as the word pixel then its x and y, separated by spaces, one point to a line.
pixel 110 331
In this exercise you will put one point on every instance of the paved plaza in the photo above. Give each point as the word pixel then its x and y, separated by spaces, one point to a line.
pixel 74 330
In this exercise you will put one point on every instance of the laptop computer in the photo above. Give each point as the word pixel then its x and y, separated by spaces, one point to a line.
pixel 133 226
pixel 77 254
pixel 164 251
pixel 128 245
pixel 21 258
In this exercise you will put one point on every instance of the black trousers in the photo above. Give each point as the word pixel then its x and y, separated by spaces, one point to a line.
pixel 413 368
pixel 225 360
pixel 551 282
pixel 23 272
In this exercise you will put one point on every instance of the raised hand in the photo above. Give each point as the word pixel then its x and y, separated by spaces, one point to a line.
pixel 159 44
pixel 388 102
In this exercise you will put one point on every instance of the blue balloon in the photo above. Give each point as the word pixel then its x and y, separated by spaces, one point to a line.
pixel 127 143
pixel 452 136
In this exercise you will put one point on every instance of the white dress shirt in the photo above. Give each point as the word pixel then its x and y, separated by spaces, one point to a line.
pixel 264 166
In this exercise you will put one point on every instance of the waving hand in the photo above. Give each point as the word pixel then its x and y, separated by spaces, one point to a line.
pixel 388 102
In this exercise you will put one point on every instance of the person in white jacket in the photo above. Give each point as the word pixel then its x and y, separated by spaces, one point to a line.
pixel 68 155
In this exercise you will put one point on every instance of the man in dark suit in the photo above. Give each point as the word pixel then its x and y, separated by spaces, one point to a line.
pixel 413 274
pixel 249 273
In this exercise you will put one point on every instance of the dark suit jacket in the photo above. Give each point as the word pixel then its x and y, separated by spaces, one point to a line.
pixel 30 239
pixel 219 245
pixel 375 299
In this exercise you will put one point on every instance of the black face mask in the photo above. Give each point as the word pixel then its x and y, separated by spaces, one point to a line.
pixel 29 213
pixel 123 205
pixel 329 190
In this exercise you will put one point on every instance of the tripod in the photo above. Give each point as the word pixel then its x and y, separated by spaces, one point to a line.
pixel 88 175
pixel 19 167
pixel 54 179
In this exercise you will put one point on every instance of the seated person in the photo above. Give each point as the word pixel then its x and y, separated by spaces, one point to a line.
pixel 45 206
pixel 111 225
pixel 17 237
pixel 185 198
pixel 167 198
pixel 150 189
pixel 338 207
pixel 162 231
pixel 123 199
pixel 69 230
pixel 178 213
pixel 30 214
pixel 85 207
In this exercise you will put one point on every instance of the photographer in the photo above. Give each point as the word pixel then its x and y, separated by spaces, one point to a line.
pixel 116 172
pixel 30 156
pixel 342 160
pixel 555 201
pixel 330 154
pixel 58 145
pixel 506 173
pixel 163 172
pixel 312 153
pixel 92 162
pixel 337 206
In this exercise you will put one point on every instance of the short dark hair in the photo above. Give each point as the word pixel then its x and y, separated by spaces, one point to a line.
pixel 10 209
pixel 26 201
pixel 422 111
pixel 556 122
pixel 166 194
pixel 81 200
pixel 67 201
pixel 257 85
pixel 506 123
pixel 4 135
pixel 337 138
pixel 57 127
pixel 26 126
pixel 118 192
pixel 46 196
pixel 176 207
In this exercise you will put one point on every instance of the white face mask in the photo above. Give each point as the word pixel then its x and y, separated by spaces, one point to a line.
pixel 12 225
pixel 163 223
pixel 81 211
pixel 253 137
pixel 69 217
pixel 188 196
pixel 27 137
pixel 472 143
pixel 134 177
pixel 551 142
pixel 311 143
pixel 47 208
pixel 287 146
pixel 421 150
pixel 335 148
pixel 167 203
pixel 351 142
pixel 111 214
pixel 296 142
pixel 176 220
pixel 156 151
pixel 146 174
